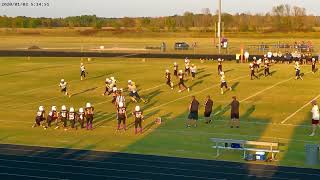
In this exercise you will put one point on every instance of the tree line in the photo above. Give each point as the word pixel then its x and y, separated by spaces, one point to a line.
pixel 283 18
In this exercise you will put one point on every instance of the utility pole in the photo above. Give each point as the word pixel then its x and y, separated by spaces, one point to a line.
pixel 219 27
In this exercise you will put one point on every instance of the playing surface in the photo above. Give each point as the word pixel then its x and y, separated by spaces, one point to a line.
pixel 273 109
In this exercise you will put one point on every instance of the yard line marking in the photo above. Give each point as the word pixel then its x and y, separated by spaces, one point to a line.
pixel 28 176
pixel 261 91
pixel 192 94
pixel 293 114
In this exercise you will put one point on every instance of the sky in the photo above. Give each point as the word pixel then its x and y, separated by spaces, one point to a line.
pixel 151 8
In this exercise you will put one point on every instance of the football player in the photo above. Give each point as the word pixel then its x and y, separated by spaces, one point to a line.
pixel 63 116
pixel 267 68
pixel 80 117
pixel 120 98
pixel 108 87
pixel 121 115
pixel 187 66
pixel 114 95
pixel 52 116
pixel 133 92
pixel 219 66
pixel 251 66
pixel 63 87
pixel 297 68
pixel 168 78
pixel 138 118
pixel 223 83
pixel 82 71
pixel 313 65
pixel 89 112
pixel 175 69
pixel 72 117
pixel 181 84
pixel 40 116
pixel 193 71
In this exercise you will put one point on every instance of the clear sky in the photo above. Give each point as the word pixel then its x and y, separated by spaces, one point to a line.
pixel 136 8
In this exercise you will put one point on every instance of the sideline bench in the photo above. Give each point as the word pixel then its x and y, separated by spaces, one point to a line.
pixel 273 148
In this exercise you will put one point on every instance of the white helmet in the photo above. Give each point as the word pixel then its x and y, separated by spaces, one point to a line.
pixel 221 73
pixel 88 105
pixel 180 71
pixel 41 108
pixel 129 81
pixel 297 63
pixel 137 108
pixel 63 108
pixel 175 63
pixel 219 59
pixel 54 108
pixel 265 55
pixel 81 64
pixel 81 110
pixel 313 59
pixel 254 58
pixel 167 71
pixel 71 109
pixel 112 78
pixel 62 80
pixel 107 79
pixel 121 104
pixel 114 89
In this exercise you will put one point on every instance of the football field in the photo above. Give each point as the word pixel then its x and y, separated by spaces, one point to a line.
pixel 275 108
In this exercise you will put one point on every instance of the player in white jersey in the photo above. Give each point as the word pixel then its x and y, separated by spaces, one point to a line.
pixel 133 92
pixel 120 98
pixel 298 69
pixel 63 87
pixel 193 70
pixel 223 83
pixel 315 117
pixel 187 66
pixel 82 71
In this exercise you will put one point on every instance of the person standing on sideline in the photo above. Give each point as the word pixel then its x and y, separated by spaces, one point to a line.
pixel 235 112
pixel 208 110
pixel 193 112
pixel 315 117
pixel 313 66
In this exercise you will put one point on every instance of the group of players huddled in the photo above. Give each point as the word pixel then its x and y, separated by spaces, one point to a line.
pixel 64 117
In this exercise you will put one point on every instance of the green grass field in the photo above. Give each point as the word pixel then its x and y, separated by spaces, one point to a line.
pixel 265 103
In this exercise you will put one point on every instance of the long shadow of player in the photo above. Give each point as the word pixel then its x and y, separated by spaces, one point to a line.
pixel 229 70
pixel 204 76
pixel 196 83
pixel 272 72
pixel 235 85
pixel 84 91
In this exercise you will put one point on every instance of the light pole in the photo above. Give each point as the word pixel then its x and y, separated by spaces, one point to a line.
pixel 219 27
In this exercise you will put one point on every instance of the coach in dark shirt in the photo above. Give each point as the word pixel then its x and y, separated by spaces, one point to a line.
pixel 208 110
pixel 235 112
pixel 193 112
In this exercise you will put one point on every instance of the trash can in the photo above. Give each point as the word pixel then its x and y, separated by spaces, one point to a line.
pixel 312 154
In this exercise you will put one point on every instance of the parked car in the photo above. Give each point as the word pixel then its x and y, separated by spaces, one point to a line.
pixel 181 46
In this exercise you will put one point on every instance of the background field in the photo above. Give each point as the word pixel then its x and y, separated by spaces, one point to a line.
pixel 265 103
pixel 65 39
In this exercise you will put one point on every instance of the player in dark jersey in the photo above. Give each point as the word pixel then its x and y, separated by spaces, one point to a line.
pixel 251 66
pixel 63 116
pixel 267 68
pixel 40 116
pixel 121 115
pixel 219 66
pixel 52 116
pixel 313 65
pixel 89 112
pixel 175 69
pixel 168 78
pixel 72 117
pixel 138 118
pixel 80 117
pixel 181 84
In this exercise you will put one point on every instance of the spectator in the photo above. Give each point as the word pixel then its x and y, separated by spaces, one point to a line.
pixel 193 113
pixel 234 112
pixel 208 110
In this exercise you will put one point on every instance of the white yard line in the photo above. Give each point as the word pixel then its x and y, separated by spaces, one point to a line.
pixel 293 114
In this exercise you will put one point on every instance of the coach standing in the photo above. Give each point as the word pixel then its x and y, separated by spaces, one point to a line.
pixel 235 112
pixel 193 113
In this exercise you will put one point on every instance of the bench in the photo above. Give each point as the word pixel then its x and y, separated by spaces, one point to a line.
pixel 273 148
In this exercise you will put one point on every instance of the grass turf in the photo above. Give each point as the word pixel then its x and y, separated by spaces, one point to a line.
pixel 265 103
